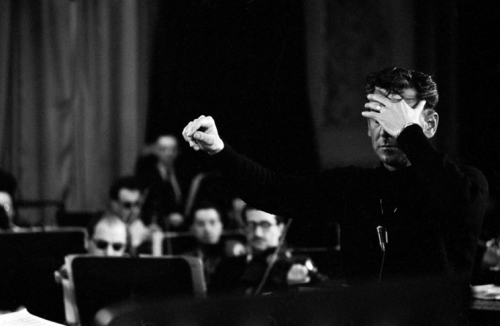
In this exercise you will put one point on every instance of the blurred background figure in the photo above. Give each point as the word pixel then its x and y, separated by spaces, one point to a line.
pixel 157 169
pixel 487 259
pixel 127 195
pixel 8 187
pixel 235 209
pixel 268 265
pixel 491 257
pixel 6 212
pixel 108 236
pixel 207 226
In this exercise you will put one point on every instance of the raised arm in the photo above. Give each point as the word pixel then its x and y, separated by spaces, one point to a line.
pixel 259 186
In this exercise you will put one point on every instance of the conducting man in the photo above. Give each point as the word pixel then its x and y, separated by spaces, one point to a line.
pixel 430 207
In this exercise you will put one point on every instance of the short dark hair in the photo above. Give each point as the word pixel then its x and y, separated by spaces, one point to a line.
pixel 279 218
pixel 396 80
pixel 125 182
pixel 205 205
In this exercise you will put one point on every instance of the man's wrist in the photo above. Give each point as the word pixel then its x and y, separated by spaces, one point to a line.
pixel 404 127
pixel 218 148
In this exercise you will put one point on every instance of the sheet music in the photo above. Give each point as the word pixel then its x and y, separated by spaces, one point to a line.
pixel 24 318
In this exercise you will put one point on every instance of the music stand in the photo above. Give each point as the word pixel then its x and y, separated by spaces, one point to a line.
pixel 101 282
pixel 28 261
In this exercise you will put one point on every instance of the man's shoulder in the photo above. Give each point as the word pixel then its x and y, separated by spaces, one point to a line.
pixel 470 170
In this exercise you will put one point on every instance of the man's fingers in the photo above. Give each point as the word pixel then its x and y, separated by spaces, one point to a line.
pixel 201 137
pixel 201 134
pixel 202 123
pixel 374 106
pixel 185 132
pixel 420 106
pixel 194 126
pixel 368 114
pixel 382 100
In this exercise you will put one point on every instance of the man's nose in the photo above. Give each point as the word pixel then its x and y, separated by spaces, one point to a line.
pixel 384 133
pixel 258 231
pixel 110 252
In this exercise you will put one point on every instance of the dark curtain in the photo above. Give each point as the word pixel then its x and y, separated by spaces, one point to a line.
pixel 479 105
pixel 73 80
pixel 459 41
pixel 242 62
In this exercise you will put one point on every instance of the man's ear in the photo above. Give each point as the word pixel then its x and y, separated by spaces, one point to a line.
pixel 430 124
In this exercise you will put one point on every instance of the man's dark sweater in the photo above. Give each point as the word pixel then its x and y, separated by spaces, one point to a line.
pixel 432 210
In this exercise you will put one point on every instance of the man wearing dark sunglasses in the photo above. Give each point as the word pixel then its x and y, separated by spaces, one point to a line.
pixel 108 236
pixel 126 195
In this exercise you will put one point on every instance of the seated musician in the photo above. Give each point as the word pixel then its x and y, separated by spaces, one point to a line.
pixel 207 226
pixel 107 236
pixel 267 267
pixel 8 187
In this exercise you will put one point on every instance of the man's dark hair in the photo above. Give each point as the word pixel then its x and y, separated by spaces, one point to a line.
pixel 279 219
pixel 126 182
pixel 395 80
pixel 205 205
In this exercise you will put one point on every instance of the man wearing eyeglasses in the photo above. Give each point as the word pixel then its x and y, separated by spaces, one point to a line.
pixel 108 236
pixel 263 230
pixel 268 265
